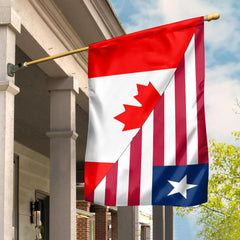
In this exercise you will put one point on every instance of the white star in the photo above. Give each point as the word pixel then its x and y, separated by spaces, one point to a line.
pixel 181 187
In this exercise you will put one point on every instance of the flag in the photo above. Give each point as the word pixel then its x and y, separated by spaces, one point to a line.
pixel 147 141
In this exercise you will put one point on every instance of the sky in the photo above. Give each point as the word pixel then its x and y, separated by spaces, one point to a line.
pixel 222 63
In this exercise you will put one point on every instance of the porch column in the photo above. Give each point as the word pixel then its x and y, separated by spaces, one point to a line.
pixel 114 221
pixel 162 223
pixel 169 223
pixel 62 158
pixel 101 223
pixel 158 222
pixel 128 223
pixel 9 25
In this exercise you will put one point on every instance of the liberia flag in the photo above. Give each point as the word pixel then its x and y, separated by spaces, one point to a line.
pixel 147 141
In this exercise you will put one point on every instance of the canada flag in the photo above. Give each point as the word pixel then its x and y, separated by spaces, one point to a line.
pixel 147 141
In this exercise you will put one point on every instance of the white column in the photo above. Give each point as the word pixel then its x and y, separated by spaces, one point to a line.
pixel 169 223
pixel 9 25
pixel 128 223
pixel 162 222
pixel 62 158
pixel 158 222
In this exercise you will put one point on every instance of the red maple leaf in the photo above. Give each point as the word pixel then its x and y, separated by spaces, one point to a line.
pixel 134 116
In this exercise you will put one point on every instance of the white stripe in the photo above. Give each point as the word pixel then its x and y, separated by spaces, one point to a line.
pixel 169 125
pixel 99 192
pixel 191 104
pixel 147 162
pixel 123 178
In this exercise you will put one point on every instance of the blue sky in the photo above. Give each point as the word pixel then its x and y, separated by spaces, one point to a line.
pixel 222 61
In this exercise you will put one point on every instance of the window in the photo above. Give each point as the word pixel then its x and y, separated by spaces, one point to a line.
pixel 43 198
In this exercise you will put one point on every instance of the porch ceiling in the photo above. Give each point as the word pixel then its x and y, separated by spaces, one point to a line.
pixel 78 16
pixel 93 20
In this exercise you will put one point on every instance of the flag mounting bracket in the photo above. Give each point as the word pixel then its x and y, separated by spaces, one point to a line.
pixel 12 69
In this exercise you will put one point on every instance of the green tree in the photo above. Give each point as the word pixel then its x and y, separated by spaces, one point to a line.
pixel 220 216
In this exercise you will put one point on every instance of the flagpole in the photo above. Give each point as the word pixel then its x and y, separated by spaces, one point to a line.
pixel 55 56
pixel 12 69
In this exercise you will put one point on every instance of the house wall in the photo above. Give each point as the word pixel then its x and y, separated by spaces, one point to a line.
pixel 47 28
pixel 33 175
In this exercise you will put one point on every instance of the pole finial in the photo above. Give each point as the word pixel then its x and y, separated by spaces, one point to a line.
pixel 213 16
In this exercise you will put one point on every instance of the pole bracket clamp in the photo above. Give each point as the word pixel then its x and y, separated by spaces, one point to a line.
pixel 12 69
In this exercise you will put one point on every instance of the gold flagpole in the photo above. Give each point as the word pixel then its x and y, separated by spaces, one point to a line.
pixel 55 56
pixel 12 69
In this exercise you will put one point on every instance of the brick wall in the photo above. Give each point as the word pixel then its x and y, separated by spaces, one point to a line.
pixel 101 223
pixel 83 223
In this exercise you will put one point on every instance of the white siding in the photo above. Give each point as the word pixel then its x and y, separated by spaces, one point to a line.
pixel 33 175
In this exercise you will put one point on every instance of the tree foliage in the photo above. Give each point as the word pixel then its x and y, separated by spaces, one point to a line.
pixel 220 216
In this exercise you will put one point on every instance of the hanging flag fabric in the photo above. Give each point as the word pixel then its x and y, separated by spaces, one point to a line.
pixel 147 141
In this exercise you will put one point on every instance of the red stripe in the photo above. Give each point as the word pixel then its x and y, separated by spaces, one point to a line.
pixel 158 133
pixel 90 197
pixel 153 49
pixel 199 50
pixel 111 186
pixel 135 170
pixel 94 172
pixel 180 115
